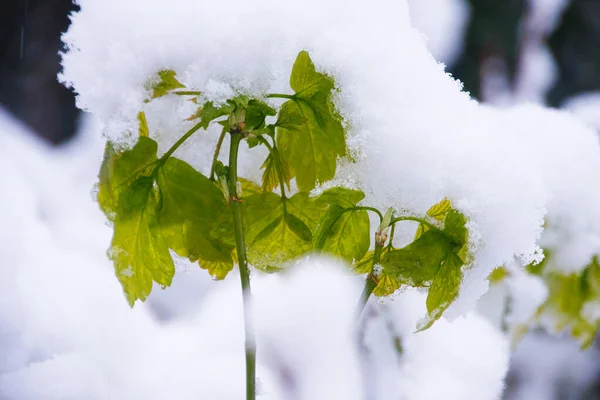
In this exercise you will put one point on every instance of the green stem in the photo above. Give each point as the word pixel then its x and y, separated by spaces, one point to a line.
pixel 416 219
pixel 373 209
pixel 236 210
pixel 391 237
pixel 280 96
pixel 370 282
pixel 187 93
pixel 178 143
pixel 216 155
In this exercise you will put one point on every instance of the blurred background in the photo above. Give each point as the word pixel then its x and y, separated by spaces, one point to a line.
pixel 504 51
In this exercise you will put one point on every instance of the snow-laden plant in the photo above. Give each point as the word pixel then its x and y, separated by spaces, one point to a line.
pixel 216 155
pixel 158 204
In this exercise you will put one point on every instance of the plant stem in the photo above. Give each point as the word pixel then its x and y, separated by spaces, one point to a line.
pixel 181 140
pixel 370 282
pixel 390 243
pixel 373 209
pixel 187 93
pixel 416 219
pixel 280 96
pixel 236 210
pixel 216 155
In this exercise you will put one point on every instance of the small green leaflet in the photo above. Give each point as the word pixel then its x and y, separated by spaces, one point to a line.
pixel 194 217
pixel 166 83
pixel 310 135
pixel 343 232
pixel 252 113
pixel 256 113
pixel 569 298
pixel 119 170
pixel 365 265
pixel 343 197
pixel 498 275
pixel 386 285
pixel 207 113
pixel 138 251
pixel 437 212
pixel 273 166
pixel 143 129
pixel 128 198
pixel 434 261
pixel 418 263
pixel 279 230
pixel 217 269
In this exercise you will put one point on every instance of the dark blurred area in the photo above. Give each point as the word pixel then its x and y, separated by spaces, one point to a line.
pixel 492 32
pixel 29 62
pixel 30 41
pixel 575 45
pixel 496 30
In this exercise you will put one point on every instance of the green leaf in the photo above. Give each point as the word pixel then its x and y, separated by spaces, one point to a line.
pixel 325 224
pixel 340 196
pixel 216 269
pixel 349 237
pixel 279 230
pixel 252 141
pixel 438 212
pixel 249 188
pixel 418 263
pixel 386 286
pixel 570 297
pixel 498 275
pixel 307 210
pixel 207 113
pixel 128 198
pixel 143 130
pixel 433 260
pixel 166 83
pixel 365 265
pixel 443 290
pixel 259 211
pixel 268 130
pixel 139 252
pixel 273 166
pixel 120 169
pixel 256 113
pixel 310 134
pixel 342 232
pixel 277 245
pixel 194 217
pixel 455 228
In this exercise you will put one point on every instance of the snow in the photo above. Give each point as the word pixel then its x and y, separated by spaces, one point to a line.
pixel 548 368
pixel 465 359
pixel 568 166
pixel 585 106
pixel 443 22
pixel 511 304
